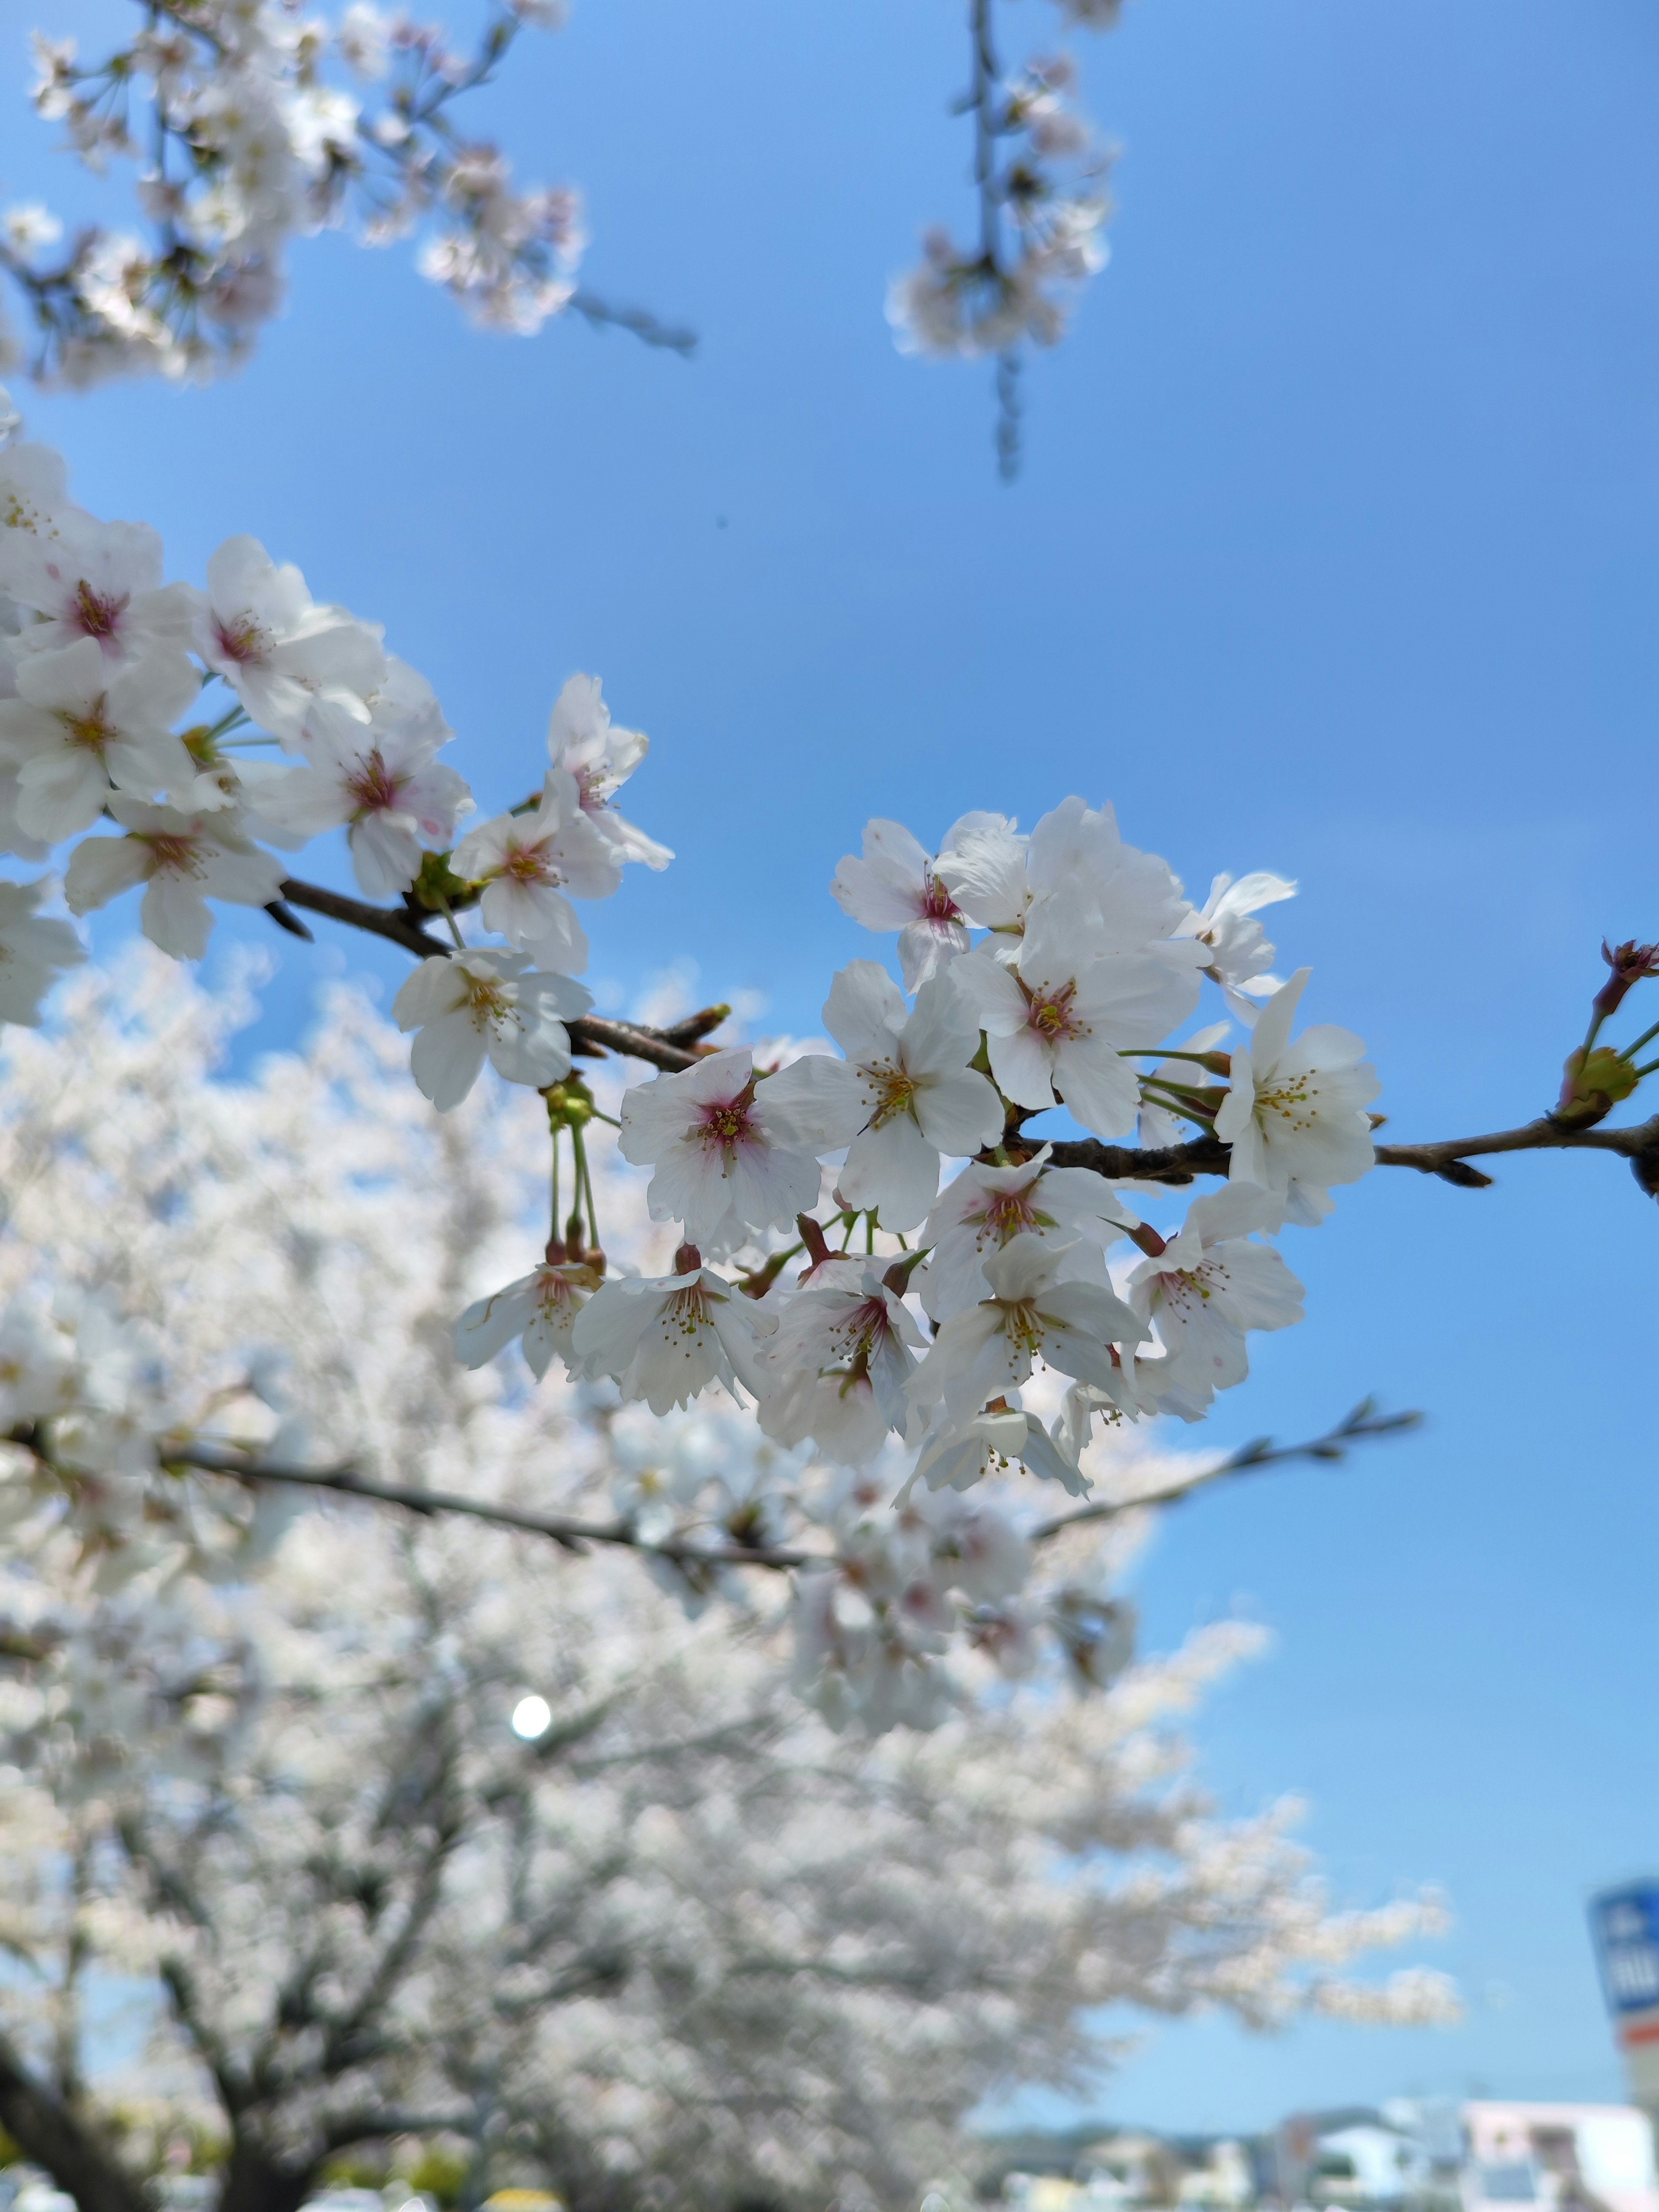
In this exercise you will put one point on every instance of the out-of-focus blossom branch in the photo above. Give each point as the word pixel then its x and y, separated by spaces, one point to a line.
pixel 251 125
pixel 1040 177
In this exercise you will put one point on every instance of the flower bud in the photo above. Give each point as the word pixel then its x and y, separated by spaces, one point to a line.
pixel 1592 1084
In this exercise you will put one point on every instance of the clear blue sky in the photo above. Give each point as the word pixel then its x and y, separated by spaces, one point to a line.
pixel 1335 554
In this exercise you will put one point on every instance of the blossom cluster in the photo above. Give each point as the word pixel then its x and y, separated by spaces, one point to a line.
pixel 254 124
pixel 868 1247
pixel 1044 209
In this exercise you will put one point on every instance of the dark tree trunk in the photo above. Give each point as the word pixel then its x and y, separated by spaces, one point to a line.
pixel 53 2135
pixel 256 2182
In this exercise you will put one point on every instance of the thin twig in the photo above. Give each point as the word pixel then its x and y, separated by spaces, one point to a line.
pixel 573 1534
pixel 1362 1426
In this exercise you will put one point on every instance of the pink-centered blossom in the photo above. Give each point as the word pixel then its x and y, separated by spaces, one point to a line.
pixel 584 741
pixel 734 1151
pixel 379 780
pixel 257 626
pixel 96 580
pixel 899 885
pixel 527 863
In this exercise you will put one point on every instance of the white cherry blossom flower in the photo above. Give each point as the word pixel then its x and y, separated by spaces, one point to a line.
pixel 984 1209
pixel 1295 1112
pixel 839 1359
pixel 33 492
pixel 897 886
pixel 1239 953
pixel 183 860
pixel 1032 1314
pixel 584 741
pixel 1056 1023
pixel 1129 902
pixel 956 1458
pixel 258 628
pixel 983 869
pixel 527 862
pixel 918 1094
pixel 79 726
pixel 96 580
pixel 538 1311
pixel 1212 1283
pixel 734 1151
pixel 481 1002
pixel 666 1339
pixel 379 779
pixel 34 949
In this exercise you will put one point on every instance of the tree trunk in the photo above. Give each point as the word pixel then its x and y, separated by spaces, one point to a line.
pixel 256 2182
pixel 53 2135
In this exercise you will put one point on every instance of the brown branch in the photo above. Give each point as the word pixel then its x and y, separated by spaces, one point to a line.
pixel 1638 1142
pixel 564 1529
pixel 1362 1424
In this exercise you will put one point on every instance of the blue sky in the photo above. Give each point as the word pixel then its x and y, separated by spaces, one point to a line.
pixel 1335 553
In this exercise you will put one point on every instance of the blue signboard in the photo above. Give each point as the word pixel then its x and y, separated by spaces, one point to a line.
pixel 1626 1925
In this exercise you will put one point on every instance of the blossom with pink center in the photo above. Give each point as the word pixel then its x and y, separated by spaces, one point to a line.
pixel 379 780
pixel 1058 1021
pixel 183 860
pixel 258 627
pixel 897 885
pixel 1211 1283
pixel 1071 1210
pixel 732 1151
pixel 584 741
pixel 101 580
pixel 839 1361
pixel 528 862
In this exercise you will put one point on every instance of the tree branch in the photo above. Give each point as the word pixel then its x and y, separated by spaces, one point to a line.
pixel 1362 1426
pixel 1638 1142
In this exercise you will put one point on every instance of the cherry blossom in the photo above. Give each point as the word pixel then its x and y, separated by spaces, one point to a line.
pixel 582 739
pixel 1295 1112
pixel 1032 1313
pixel 538 1312
pixel 733 1150
pixel 837 1366
pixel 1058 1024
pixel 1240 955
pixel 1074 1212
pixel 897 885
pixel 1210 1284
pixel 183 860
pixel 480 1003
pixel 100 581
pixel 917 1092
pixel 35 951
pixel 666 1339
pixel 955 1457
pixel 380 780
pixel 78 726
pixel 258 627
pixel 527 862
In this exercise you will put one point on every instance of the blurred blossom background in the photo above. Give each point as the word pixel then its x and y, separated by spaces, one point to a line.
pixel 1334 553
